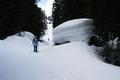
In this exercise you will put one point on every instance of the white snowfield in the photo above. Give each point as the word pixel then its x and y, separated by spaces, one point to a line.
pixel 73 30
pixel 71 61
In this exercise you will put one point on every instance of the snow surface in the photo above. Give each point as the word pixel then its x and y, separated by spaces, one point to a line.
pixel 49 35
pixel 71 61
pixel 73 30
pixel 25 34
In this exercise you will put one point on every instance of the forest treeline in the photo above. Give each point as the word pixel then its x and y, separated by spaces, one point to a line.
pixel 21 15
pixel 106 18
pixel 105 13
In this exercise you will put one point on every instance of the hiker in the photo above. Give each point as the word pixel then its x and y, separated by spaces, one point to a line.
pixel 35 44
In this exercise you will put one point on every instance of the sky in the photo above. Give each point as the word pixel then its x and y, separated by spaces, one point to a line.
pixel 42 2
pixel 47 6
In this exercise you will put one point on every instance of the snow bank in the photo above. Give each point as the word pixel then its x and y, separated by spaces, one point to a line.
pixel 73 30
pixel 73 61
pixel 26 34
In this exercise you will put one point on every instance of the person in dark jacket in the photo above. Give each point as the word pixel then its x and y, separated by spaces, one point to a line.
pixel 35 44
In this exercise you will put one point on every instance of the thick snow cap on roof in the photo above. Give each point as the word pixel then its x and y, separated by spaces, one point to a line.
pixel 73 30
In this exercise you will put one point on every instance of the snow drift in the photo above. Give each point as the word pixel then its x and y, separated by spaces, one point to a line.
pixel 73 30
pixel 25 34
pixel 72 61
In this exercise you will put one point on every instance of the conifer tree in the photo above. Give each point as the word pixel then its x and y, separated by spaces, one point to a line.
pixel 57 12
pixel 64 10
pixel 21 15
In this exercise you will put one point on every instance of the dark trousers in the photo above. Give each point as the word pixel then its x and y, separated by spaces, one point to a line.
pixel 35 49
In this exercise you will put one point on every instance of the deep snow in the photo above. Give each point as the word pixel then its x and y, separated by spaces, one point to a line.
pixel 73 30
pixel 71 61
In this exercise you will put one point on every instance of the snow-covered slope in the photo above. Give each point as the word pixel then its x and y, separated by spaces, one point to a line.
pixel 72 61
pixel 49 34
pixel 25 34
pixel 73 30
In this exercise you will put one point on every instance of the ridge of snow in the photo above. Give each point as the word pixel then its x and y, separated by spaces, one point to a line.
pixel 71 61
pixel 74 22
pixel 73 30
